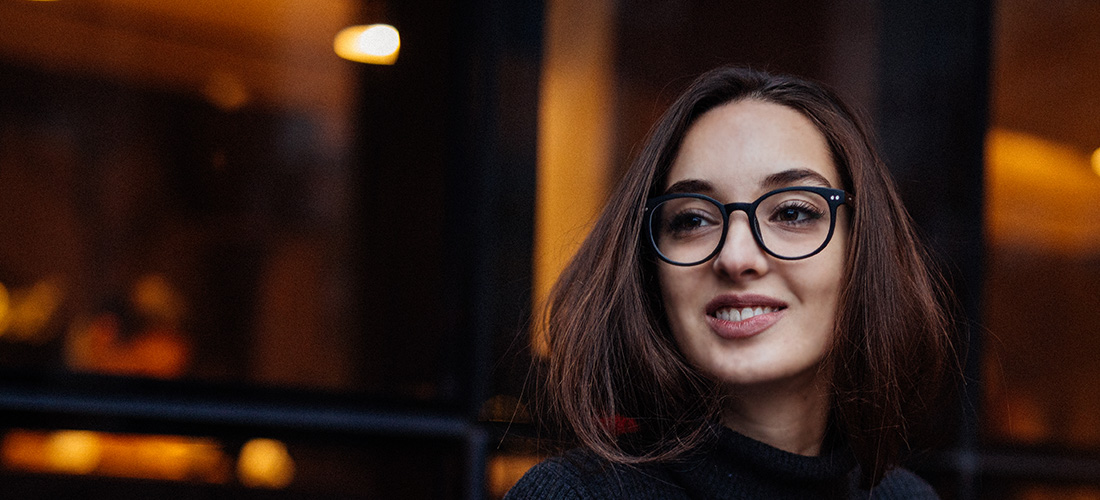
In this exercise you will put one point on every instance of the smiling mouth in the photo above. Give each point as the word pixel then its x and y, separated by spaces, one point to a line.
pixel 742 313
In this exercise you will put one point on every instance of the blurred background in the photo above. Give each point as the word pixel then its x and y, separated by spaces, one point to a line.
pixel 272 249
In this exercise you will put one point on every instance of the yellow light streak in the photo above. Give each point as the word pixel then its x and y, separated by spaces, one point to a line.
pixel 371 44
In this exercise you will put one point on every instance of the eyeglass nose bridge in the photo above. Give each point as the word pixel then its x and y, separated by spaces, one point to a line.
pixel 750 216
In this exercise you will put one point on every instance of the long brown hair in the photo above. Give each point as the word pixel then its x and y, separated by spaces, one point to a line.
pixel 612 356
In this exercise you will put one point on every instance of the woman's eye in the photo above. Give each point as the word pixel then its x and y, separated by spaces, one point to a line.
pixel 687 222
pixel 792 213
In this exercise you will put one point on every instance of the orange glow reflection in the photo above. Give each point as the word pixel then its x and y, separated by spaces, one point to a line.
pixel 265 463
pixel 575 138
pixel 505 470
pixel 1043 186
pixel 26 313
pixel 173 458
pixel 1040 299
pixel 262 463
pixel 156 346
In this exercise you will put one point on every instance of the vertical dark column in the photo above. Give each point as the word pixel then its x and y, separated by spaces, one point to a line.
pixel 407 266
pixel 932 116
pixel 491 195
pixel 447 169
pixel 497 139
pixel 448 158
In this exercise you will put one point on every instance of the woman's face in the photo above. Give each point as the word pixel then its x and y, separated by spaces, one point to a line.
pixel 736 153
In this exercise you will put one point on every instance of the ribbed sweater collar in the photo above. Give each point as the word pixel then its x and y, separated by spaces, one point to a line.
pixel 736 466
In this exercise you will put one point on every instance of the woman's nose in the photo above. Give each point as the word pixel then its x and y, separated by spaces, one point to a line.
pixel 740 256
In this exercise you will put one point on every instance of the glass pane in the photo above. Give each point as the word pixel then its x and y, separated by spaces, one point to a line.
pixel 182 197
pixel 1043 286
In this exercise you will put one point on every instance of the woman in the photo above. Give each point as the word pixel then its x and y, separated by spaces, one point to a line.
pixel 751 316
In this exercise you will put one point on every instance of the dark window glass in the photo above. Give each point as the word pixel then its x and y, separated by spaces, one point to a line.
pixel 1042 291
pixel 205 192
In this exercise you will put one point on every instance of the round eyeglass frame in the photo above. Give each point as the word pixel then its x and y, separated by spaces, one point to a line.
pixel 834 197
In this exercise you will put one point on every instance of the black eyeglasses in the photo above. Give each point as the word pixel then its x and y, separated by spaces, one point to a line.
pixel 688 229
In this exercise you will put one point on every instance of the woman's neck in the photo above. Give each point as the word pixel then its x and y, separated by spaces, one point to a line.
pixel 790 415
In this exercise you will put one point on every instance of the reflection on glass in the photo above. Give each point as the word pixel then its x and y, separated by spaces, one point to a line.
pixel 505 470
pixel 575 138
pixel 261 463
pixel 265 463
pixel 176 196
pixel 25 313
pixel 1042 292
pixel 141 336
pixel 1042 286
pixel 170 458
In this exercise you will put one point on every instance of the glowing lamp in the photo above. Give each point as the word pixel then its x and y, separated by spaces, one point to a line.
pixel 1096 161
pixel 373 44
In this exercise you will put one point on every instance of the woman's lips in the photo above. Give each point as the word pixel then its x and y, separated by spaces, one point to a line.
pixel 741 316
pixel 744 328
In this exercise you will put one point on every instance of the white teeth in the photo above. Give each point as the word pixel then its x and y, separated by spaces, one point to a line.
pixel 731 314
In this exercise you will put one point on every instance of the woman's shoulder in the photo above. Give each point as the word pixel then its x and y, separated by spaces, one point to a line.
pixel 580 474
pixel 903 484
pixel 557 477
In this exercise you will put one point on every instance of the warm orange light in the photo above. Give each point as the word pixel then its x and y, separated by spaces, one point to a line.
pixel 26 312
pixel 73 452
pixel 265 463
pixel 1043 186
pixel 1096 161
pixel 171 458
pixel 5 306
pixel 373 44
pixel 575 139
pixel 504 471
pixel 226 90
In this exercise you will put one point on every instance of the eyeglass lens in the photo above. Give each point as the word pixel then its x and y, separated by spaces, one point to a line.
pixel 792 224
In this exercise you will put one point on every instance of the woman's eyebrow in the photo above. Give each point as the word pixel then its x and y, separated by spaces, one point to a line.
pixel 785 178
pixel 794 176
pixel 690 186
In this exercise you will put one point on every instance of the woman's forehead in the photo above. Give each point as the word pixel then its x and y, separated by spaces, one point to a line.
pixel 753 145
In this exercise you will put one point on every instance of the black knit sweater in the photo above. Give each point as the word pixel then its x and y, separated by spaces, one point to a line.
pixel 737 467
